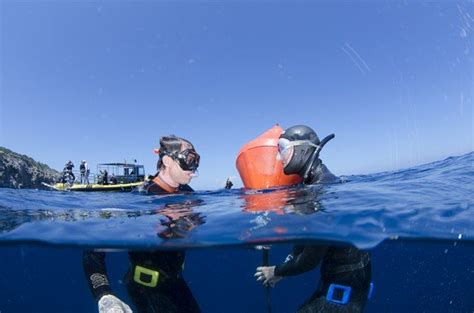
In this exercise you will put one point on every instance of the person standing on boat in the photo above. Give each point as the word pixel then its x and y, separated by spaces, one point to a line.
pixel 84 169
pixel 345 270
pixel 88 172
pixel 105 177
pixel 154 280
pixel 67 172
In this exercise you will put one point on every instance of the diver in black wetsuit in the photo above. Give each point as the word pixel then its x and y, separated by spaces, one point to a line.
pixel 228 184
pixel 154 280
pixel 345 271
pixel 68 176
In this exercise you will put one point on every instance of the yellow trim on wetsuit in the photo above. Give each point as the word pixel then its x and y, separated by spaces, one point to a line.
pixel 139 270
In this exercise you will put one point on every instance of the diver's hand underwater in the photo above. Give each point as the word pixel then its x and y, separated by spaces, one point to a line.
pixel 267 274
pixel 112 304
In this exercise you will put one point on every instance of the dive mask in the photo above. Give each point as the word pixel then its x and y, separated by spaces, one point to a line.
pixel 284 145
pixel 187 159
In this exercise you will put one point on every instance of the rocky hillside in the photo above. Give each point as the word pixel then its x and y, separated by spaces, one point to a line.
pixel 21 171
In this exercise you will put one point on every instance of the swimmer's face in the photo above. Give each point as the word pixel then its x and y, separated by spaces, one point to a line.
pixel 179 175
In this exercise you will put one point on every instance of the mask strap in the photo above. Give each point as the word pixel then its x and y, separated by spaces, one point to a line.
pixel 298 143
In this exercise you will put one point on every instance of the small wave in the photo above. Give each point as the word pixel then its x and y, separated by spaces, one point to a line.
pixel 431 201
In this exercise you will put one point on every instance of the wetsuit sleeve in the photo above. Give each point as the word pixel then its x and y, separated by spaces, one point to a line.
pixel 96 273
pixel 304 258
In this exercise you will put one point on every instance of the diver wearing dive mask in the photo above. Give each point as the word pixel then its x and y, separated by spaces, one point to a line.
pixel 346 273
pixel 177 165
pixel 299 148
pixel 155 278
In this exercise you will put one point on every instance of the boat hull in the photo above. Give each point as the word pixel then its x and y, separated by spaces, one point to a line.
pixel 94 187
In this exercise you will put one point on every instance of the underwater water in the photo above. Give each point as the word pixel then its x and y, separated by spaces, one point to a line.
pixel 417 225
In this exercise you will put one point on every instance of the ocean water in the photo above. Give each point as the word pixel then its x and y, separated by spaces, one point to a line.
pixel 417 224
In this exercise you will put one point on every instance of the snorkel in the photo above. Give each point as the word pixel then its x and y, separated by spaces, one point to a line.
pixel 315 155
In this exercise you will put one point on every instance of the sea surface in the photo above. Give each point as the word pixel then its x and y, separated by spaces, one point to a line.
pixel 416 223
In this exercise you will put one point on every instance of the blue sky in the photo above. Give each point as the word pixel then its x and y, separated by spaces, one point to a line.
pixel 103 80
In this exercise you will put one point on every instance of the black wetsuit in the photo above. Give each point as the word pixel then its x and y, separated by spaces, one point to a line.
pixel 68 171
pixel 346 266
pixel 320 174
pixel 171 293
pixel 340 265
pixel 105 178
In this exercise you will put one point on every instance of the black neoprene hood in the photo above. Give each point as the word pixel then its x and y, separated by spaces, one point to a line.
pixel 301 132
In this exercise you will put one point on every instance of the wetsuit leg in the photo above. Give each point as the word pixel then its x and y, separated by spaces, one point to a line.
pixel 180 294
pixel 320 305
pixel 358 279
pixel 172 296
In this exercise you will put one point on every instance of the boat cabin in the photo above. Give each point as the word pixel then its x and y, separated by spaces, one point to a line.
pixel 124 173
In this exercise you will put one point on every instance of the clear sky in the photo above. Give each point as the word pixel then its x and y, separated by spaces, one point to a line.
pixel 103 80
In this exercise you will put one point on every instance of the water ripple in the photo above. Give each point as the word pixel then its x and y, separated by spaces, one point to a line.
pixel 431 201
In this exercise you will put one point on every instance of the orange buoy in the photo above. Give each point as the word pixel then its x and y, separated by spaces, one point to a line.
pixel 258 165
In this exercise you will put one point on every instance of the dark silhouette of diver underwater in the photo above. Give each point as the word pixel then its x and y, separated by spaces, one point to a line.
pixel 345 281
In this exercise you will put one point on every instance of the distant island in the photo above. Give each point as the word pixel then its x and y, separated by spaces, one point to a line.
pixel 21 171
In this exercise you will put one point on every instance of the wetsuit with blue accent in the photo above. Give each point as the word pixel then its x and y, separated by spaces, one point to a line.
pixel 344 266
pixel 154 280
